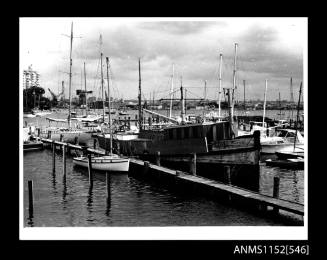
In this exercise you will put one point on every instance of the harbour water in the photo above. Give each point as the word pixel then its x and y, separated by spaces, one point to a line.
pixel 60 202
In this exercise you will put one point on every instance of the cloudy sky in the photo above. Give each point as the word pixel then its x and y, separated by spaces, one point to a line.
pixel 268 48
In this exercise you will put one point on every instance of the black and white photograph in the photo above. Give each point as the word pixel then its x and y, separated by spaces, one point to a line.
pixel 183 128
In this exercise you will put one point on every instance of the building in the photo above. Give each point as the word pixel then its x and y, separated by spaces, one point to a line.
pixel 30 78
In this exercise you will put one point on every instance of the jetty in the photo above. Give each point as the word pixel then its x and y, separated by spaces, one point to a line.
pixel 190 182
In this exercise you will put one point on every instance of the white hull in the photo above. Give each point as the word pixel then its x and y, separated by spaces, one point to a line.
pixel 104 163
pixel 29 115
pixel 282 148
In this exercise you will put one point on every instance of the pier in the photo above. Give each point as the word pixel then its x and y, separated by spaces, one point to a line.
pixel 190 182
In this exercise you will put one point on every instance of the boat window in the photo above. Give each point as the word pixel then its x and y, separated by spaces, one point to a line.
pixel 282 134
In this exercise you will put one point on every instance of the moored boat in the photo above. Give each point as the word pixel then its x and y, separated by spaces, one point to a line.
pixel 111 162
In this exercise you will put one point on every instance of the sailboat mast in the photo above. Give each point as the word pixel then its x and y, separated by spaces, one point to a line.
pixel 234 81
pixel 70 75
pixel 171 92
pixel 85 90
pixel 244 95
pixel 205 90
pixel 140 101
pixel 109 107
pixel 264 106
pixel 297 115
pixel 103 102
pixel 280 108
pixel 182 103
pixel 292 98
pixel 219 91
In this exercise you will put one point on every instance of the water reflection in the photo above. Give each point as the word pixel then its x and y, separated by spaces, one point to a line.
pixel 108 197
pixel 64 192
pixel 295 190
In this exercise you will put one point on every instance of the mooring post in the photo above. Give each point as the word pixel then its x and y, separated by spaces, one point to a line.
pixel 108 185
pixel 146 167
pixel 94 143
pixel 76 140
pixel 64 159
pixel 158 158
pixel 256 136
pixel 90 170
pixel 61 138
pixel 38 132
pixel 193 164
pixel 53 157
pixel 276 191
pixel 227 174
pixel 30 198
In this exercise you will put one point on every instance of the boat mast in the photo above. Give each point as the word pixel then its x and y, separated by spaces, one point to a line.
pixel 219 91
pixel 171 92
pixel 280 108
pixel 110 132
pixel 103 102
pixel 85 90
pixel 140 101
pixel 244 94
pixel 182 103
pixel 264 106
pixel 297 115
pixel 234 81
pixel 70 75
pixel 292 98
pixel 205 90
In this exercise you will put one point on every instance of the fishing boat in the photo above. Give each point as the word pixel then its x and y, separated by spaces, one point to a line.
pixel 212 142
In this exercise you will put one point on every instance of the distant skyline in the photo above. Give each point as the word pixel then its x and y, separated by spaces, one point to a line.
pixel 268 48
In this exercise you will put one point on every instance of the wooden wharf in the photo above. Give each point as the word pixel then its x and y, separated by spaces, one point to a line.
pixel 144 169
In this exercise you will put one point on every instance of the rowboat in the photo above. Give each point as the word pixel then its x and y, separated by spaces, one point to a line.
pixel 104 163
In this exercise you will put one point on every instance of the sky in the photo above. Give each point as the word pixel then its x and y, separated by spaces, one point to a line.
pixel 269 49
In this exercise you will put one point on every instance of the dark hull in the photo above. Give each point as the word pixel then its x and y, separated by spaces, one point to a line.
pixel 286 164
pixel 32 146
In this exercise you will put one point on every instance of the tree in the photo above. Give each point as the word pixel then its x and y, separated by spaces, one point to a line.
pixel 33 97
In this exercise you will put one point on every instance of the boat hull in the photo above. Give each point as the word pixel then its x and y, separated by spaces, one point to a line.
pixel 282 148
pixel 32 146
pixel 113 165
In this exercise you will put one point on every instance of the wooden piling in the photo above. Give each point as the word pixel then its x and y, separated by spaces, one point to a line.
pixel 94 143
pixel 158 158
pixel 146 167
pixel 76 140
pixel 276 191
pixel 64 159
pixel 30 198
pixel 90 170
pixel 227 174
pixel 256 136
pixel 53 157
pixel 61 138
pixel 193 164
pixel 38 132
